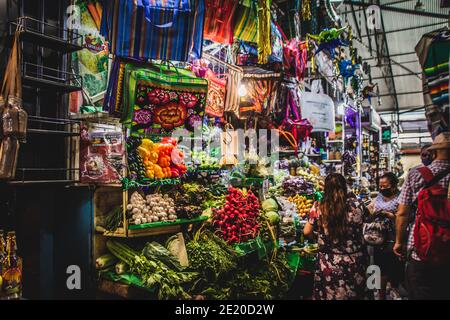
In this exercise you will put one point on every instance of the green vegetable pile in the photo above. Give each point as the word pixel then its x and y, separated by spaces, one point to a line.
pixel 267 279
pixel 153 272
pixel 210 255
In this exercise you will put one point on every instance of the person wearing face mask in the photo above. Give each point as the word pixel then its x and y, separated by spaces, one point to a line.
pixel 384 207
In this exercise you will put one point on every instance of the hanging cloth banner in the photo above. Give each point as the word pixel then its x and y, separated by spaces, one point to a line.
pixel 246 28
pixel 154 29
pixel 264 39
pixel 219 16
pixel 215 104
pixel 319 110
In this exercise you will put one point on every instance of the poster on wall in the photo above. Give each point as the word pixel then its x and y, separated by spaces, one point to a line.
pixel 91 63
pixel 319 110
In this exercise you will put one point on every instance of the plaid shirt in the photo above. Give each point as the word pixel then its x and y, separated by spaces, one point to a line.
pixel 413 184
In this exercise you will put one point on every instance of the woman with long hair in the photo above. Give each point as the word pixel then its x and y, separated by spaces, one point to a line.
pixel 342 257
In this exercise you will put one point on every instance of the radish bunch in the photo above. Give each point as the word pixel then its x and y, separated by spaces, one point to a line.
pixel 237 221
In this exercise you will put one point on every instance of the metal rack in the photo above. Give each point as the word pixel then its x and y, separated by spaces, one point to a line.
pixel 47 35
pixel 51 151
pixel 49 78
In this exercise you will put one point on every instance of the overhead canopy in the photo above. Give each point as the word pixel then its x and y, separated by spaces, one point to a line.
pixel 390 51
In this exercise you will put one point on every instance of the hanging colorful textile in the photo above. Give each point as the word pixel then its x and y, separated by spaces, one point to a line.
pixel 306 10
pixel 247 55
pixel 276 39
pixel 215 103
pixel 165 99
pixel 246 28
pixel 328 40
pixel 264 40
pixel 433 51
pixel 219 16
pixel 260 96
pixel 295 58
pixel 154 29
pixel 232 99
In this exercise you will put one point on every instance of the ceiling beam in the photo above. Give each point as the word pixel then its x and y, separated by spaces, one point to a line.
pixel 398 75
pixel 443 23
pixel 393 55
pixel 399 10
pixel 399 93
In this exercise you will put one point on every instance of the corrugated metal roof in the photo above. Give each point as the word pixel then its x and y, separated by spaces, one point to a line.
pixel 403 31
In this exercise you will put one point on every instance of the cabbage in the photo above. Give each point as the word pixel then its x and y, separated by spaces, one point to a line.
pixel 273 217
pixel 269 205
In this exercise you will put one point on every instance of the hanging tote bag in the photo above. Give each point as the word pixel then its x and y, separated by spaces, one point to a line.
pixel 163 99
pixel 14 118
pixel 154 29
pixel 215 104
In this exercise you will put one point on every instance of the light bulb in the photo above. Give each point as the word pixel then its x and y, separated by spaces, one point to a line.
pixel 242 90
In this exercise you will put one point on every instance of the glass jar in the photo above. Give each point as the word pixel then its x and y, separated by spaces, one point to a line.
pixel 14 119
pixel 9 150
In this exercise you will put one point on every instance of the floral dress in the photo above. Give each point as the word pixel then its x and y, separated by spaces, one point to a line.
pixel 341 267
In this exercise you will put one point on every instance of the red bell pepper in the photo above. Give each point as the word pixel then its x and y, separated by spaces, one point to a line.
pixel 174 172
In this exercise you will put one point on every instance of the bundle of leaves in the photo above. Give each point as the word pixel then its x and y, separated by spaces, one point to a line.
pixel 211 256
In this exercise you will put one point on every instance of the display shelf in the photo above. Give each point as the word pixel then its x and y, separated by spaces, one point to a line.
pixel 332 161
pixel 128 184
pixel 93 116
pixel 50 79
pixel 313 155
pixel 119 233
pixel 287 151
pixel 153 229
pixel 121 290
pixel 155 225
pixel 53 126
pixel 29 182
pixel 335 141
pixel 47 35
pixel 135 233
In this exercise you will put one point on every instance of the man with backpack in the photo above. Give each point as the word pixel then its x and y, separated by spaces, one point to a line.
pixel 428 244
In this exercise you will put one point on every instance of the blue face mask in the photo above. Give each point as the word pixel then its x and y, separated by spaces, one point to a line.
pixel 426 162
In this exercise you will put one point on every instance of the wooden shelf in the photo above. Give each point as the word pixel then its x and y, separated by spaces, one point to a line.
pixel 153 229
pixel 119 233
pixel 170 229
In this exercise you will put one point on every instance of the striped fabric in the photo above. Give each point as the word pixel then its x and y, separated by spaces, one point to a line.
pixel 246 28
pixel 154 29
pixel 219 20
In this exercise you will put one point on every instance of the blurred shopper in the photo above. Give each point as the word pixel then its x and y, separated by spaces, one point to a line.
pixel 427 249
pixel 342 257
pixel 382 219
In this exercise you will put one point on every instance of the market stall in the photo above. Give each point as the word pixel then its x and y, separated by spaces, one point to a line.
pixel 204 137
